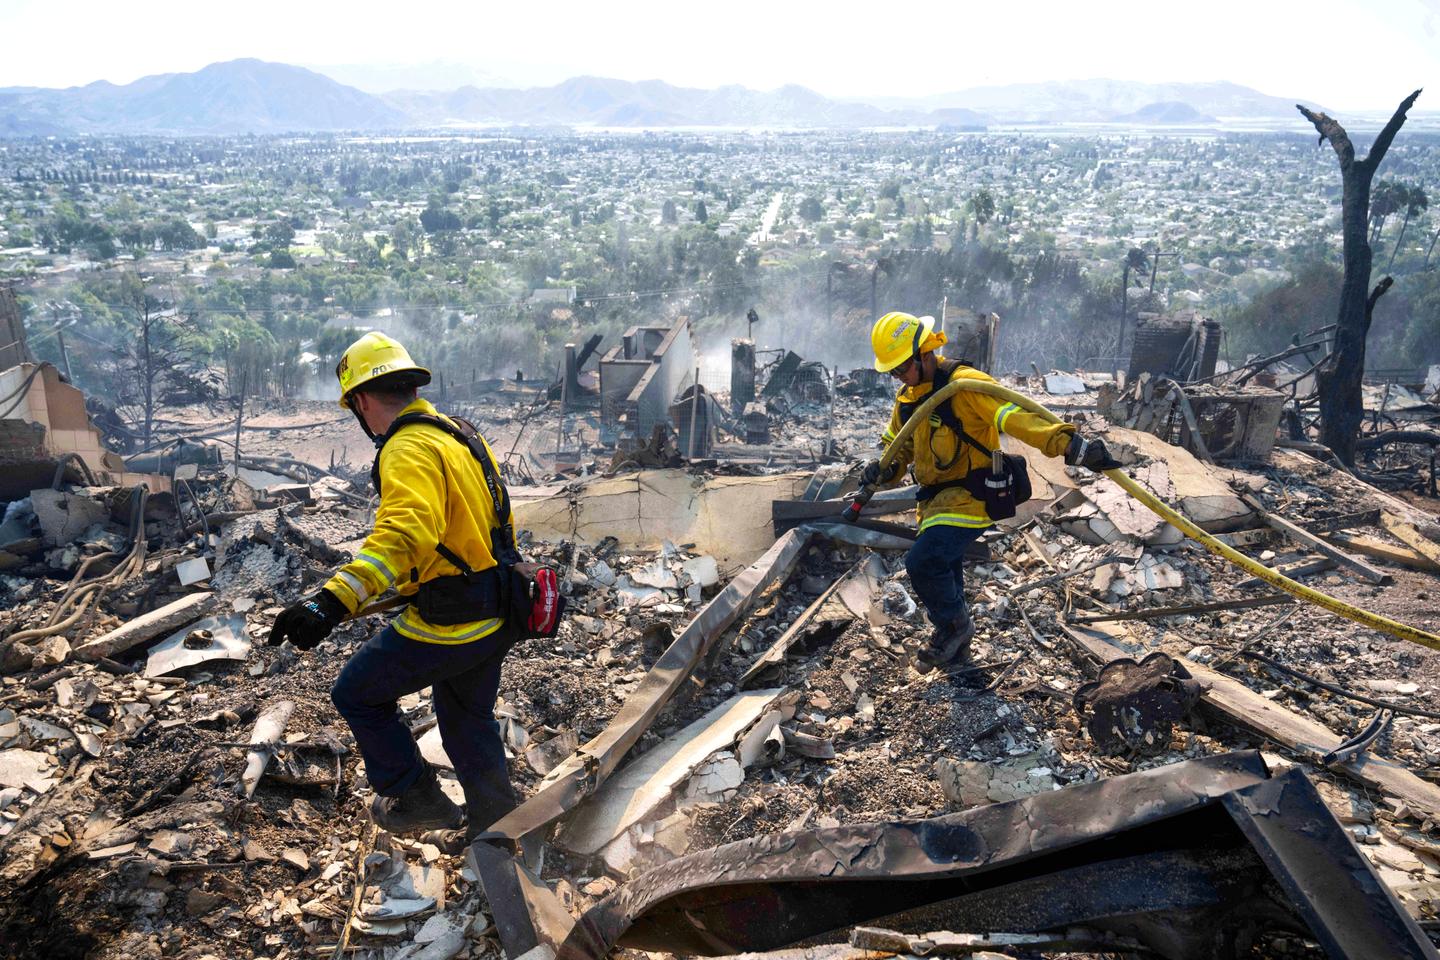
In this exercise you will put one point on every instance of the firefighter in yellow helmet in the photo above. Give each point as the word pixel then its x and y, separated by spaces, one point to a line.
pixel 441 531
pixel 952 454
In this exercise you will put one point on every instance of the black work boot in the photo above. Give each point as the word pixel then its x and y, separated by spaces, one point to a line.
pixel 423 806
pixel 948 644
pixel 487 799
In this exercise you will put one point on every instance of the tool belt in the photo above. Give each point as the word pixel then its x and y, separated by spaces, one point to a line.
pixel 1002 488
pixel 525 595
pixel 464 597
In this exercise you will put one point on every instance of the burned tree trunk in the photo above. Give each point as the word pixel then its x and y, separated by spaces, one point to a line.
pixel 1339 377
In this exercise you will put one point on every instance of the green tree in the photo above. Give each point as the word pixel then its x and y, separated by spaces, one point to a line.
pixel 982 206
pixel 1387 198
pixel 1415 202
pixel 811 210
pixel 436 219
pixel 279 234
pixel 667 212
pixel 919 233
pixel 701 214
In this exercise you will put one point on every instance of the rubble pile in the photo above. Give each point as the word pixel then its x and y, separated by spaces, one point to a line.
pixel 172 786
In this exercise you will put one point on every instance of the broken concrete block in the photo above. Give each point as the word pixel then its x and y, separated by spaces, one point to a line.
pixel 440 925
pixel 728 518
pixel 433 749
pixel 193 570
pixel 65 516
pixel 397 908
pixel 50 652
pixel 713 780
pixel 1198 491
pixel 379 928
pixel 45 730
pixel 600 573
pixel 1063 384
pixel 171 843
pixel 148 626
pixel 965 783
pixel 673 834
pixel 702 571
pixel 448 944
pixel 654 574
pixel 631 595
pixel 1174 475
pixel 254 850
pixel 1021 777
pixel 19 767
pixel 544 757
pixel 199 902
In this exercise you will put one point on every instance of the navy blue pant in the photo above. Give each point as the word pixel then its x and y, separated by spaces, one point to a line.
pixel 465 680
pixel 935 571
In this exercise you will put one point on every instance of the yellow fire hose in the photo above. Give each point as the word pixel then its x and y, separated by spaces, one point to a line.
pixel 1272 577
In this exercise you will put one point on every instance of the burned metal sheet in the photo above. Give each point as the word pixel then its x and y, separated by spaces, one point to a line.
pixel 1193 860
pixel 213 638
pixel 1345 905
pixel 581 774
pixel 527 914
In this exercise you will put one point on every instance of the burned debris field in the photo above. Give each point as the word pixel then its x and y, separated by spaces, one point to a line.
pixel 728 747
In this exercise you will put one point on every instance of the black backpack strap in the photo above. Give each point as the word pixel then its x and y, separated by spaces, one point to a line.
pixel 465 432
pixel 946 412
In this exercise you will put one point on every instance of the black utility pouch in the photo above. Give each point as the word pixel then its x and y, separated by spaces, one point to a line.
pixel 449 601
pixel 1003 487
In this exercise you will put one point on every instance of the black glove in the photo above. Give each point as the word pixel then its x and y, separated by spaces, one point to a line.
pixel 874 476
pixel 308 622
pixel 1091 453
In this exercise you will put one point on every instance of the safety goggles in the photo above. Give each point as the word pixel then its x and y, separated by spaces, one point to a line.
pixel 902 371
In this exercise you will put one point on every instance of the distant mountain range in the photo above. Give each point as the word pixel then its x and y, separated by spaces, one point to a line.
pixel 251 96
pixel 240 96
pixel 1090 101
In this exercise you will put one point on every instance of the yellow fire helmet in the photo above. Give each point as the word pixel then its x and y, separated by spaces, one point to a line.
pixel 896 337
pixel 373 356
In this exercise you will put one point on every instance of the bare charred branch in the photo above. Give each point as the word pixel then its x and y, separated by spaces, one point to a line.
pixel 1382 142
pixel 1375 295
pixel 1331 130
pixel 1422 438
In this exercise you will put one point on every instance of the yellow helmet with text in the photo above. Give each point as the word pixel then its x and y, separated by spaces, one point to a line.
pixel 896 337
pixel 373 357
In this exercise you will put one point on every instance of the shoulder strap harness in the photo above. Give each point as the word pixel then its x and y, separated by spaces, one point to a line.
pixel 502 537
pixel 946 411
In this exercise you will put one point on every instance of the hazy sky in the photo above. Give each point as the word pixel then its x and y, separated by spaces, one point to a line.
pixel 1345 54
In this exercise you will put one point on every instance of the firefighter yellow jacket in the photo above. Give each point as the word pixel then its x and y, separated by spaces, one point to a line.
pixel 431 491
pixel 938 455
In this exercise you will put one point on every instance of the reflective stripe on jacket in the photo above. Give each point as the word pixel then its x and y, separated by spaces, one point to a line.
pixel 432 491
pixel 934 446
